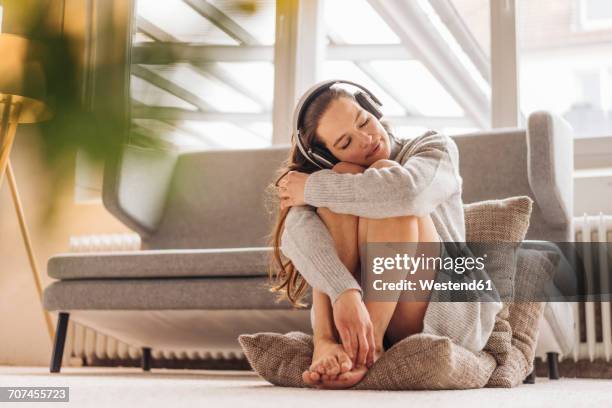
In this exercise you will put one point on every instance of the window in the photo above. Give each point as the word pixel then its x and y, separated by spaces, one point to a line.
pixel 192 90
pixel 1 18
pixel 565 71
pixel 414 97
pixel 202 100
pixel 594 14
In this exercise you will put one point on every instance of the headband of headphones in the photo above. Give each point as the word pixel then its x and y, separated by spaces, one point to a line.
pixel 366 100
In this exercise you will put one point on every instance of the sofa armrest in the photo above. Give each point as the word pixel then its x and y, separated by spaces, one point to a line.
pixel 550 150
pixel 136 186
pixel 564 286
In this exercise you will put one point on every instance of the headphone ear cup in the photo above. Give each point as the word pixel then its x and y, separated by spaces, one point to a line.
pixel 324 156
pixel 368 104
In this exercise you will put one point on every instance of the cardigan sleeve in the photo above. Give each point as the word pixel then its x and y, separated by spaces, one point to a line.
pixel 428 176
pixel 310 246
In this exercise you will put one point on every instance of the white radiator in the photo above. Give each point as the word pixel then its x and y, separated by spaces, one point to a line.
pixel 86 344
pixel 595 316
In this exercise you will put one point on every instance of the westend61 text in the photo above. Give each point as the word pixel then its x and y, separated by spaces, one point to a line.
pixel 430 284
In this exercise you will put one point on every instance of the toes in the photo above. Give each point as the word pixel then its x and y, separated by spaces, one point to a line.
pixel 345 363
pixel 311 378
pixel 318 367
pixel 344 380
pixel 329 363
pixel 334 370
pixel 307 379
pixel 346 376
pixel 331 366
pixel 352 377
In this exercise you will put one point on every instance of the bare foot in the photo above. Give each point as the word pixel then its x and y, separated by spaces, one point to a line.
pixel 351 377
pixel 328 361
pixel 345 380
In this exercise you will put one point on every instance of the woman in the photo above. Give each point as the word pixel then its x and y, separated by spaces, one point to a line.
pixel 381 189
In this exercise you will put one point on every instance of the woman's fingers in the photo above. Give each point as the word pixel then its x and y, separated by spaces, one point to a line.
pixel 372 348
pixel 363 349
pixel 345 337
pixel 285 202
pixel 354 346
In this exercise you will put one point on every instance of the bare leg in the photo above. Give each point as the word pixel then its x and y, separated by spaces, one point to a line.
pixel 395 229
pixel 329 358
pixel 408 316
pixel 398 319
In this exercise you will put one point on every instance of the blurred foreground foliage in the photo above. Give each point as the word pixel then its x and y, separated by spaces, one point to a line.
pixel 97 128
pixel 87 116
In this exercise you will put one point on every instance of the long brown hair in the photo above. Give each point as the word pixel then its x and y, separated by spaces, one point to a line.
pixel 285 279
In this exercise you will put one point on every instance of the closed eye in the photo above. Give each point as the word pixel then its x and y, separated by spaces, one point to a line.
pixel 360 126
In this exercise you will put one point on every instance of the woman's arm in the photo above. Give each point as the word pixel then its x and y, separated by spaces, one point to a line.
pixel 426 179
pixel 310 246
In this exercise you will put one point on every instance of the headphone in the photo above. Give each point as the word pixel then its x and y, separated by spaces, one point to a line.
pixel 321 157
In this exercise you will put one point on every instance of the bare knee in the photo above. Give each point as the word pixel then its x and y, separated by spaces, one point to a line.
pixel 347 167
pixel 325 213
pixel 343 230
pixel 409 219
pixel 328 216
pixel 391 229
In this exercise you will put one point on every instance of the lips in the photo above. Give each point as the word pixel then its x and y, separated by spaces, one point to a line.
pixel 376 148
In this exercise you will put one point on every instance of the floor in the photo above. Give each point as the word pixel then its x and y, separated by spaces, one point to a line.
pixel 130 387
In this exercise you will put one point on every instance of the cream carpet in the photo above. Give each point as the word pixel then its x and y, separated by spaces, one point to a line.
pixel 130 387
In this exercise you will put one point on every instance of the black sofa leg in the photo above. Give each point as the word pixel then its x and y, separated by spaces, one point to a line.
pixel 531 378
pixel 145 360
pixel 60 340
pixel 553 365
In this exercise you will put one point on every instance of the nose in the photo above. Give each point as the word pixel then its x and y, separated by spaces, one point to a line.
pixel 366 139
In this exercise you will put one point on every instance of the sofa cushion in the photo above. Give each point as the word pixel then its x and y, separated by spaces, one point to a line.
pixel 171 263
pixel 163 294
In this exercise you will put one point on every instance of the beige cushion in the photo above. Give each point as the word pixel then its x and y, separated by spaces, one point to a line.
pixel 418 362
pixel 279 358
pixel 496 228
pixel 504 220
pixel 534 269
pixel 428 362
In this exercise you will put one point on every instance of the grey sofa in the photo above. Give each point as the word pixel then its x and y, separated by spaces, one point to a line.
pixel 201 278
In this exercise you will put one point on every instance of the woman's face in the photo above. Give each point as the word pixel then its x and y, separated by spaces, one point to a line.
pixel 351 133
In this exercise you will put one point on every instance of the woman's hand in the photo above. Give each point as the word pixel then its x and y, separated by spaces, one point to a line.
pixel 352 320
pixel 291 189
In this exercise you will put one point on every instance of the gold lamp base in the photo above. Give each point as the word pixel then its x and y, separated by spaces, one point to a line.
pixel 11 116
pixel 22 100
